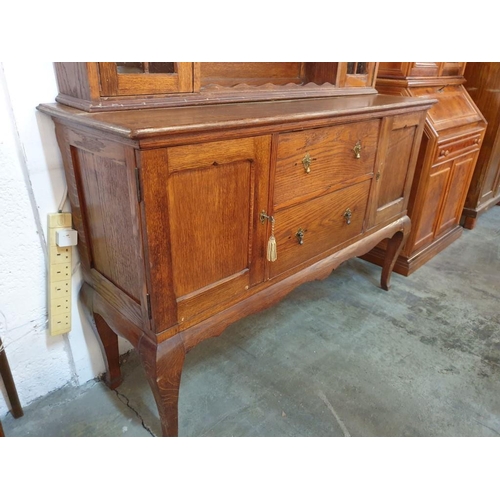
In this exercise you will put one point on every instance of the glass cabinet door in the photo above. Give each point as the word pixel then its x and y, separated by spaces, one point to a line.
pixel 356 74
pixel 140 78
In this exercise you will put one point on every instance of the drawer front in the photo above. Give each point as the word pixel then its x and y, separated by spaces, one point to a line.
pixel 321 224
pixel 452 148
pixel 311 162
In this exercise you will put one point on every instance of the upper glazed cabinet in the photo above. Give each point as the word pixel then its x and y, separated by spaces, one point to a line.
pixel 94 86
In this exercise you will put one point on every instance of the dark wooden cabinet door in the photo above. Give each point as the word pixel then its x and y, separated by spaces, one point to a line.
pixel 213 194
pixel 394 166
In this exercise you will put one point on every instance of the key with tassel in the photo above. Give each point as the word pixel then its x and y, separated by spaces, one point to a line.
pixel 272 253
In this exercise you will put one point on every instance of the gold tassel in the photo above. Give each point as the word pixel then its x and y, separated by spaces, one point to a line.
pixel 272 252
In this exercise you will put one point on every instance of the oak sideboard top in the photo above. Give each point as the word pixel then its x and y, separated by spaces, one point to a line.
pixel 149 123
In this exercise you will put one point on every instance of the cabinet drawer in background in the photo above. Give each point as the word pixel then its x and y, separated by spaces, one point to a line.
pixel 310 162
pixel 323 223
pixel 451 148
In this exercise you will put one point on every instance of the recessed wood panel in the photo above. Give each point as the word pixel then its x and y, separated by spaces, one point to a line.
pixel 251 69
pixel 210 219
pixel 459 183
pixel 429 211
pixel 452 68
pixel 114 240
pixel 393 177
pixel 400 138
pixel 251 73
pixel 490 186
pixel 392 69
pixel 424 69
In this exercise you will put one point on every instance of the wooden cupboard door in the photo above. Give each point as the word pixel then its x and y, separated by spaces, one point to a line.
pixel 394 166
pixel 425 216
pixel 456 190
pixel 140 78
pixel 215 194
pixel 491 184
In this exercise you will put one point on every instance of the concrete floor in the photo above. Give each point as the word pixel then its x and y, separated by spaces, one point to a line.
pixel 338 357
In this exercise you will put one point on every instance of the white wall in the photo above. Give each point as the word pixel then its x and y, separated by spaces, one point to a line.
pixel 31 186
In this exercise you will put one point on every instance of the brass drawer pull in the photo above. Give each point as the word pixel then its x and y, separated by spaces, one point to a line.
pixel 300 236
pixel 306 161
pixel 348 215
pixel 357 149
pixel 444 152
pixel 477 141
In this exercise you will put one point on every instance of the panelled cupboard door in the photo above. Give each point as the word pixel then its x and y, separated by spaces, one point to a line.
pixel 215 192
pixel 394 166
pixel 460 173
pixel 491 183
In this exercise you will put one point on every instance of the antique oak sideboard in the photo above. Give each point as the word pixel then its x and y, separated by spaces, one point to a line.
pixel 191 216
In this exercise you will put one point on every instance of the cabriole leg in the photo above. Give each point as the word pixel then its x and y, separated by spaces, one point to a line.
pixel 108 341
pixel 163 365
pixel 394 246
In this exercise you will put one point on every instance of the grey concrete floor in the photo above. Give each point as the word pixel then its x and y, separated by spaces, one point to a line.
pixel 338 357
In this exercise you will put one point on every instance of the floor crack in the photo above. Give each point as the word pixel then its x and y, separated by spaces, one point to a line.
pixel 484 425
pixel 126 401
pixel 323 398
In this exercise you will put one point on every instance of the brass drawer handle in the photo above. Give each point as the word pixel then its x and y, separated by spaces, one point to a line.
pixel 444 152
pixel 306 161
pixel 357 149
pixel 348 215
pixel 477 141
pixel 300 236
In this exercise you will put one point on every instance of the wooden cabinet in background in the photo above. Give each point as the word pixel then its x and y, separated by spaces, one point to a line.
pixel 453 134
pixel 483 85
pixel 175 209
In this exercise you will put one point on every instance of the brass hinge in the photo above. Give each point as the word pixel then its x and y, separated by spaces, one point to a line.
pixel 138 185
pixel 148 300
